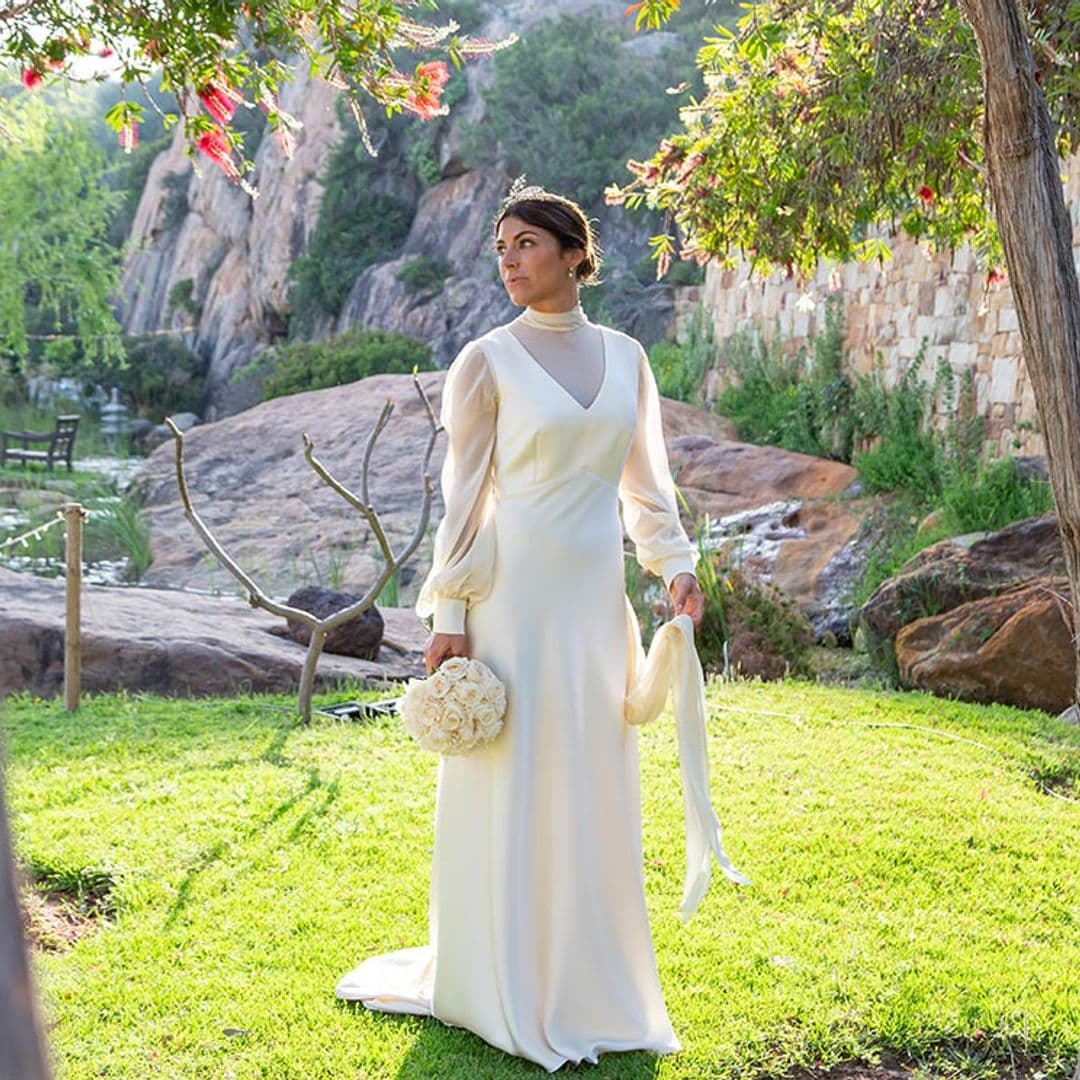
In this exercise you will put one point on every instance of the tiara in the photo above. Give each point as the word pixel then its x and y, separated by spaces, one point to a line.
pixel 519 191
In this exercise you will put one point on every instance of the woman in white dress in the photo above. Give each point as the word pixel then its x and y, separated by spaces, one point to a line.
pixel 539 940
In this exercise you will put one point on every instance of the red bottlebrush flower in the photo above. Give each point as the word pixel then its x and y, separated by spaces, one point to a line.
pixel 129 136
pixel 31 79
pixel 215 146
pixel 220 101
pixel 926 194
pixel 106 52
pixel 56 65
pixel 689 165
pixel 997 275
pixel 425 103
pixel 436 71
pixel 670 154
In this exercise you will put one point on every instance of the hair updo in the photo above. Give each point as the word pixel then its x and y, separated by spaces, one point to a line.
pixel 561 216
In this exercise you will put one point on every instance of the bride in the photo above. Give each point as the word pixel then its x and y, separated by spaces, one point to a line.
pixel 538 933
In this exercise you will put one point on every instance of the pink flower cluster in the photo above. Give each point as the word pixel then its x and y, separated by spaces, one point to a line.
pixel 423 97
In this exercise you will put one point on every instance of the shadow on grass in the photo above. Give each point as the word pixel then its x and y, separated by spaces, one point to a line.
pixel 273 754
pixel 454 1053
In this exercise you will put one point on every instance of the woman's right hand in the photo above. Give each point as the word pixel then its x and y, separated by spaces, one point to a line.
pixel 440 647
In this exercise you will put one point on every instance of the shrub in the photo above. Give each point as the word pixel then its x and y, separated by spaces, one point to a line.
pixel 749 629
pixel 994 496
pixel 425 273
pixel 907 455
pixel 680 369
pixel 174 206
pixel 357 227
pixel 800 402
pixel 354 355
pixel 181 295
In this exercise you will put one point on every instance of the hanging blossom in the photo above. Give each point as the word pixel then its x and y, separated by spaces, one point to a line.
pixel 216 147
pixel 31 79
pixel 425 90
pixel 129 136
pixel 220 100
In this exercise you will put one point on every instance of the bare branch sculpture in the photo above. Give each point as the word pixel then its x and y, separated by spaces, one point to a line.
pixel 321 627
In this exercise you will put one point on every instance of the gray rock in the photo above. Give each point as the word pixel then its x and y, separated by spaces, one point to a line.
pixel 173 643
pixel 185 421
pixel 359 636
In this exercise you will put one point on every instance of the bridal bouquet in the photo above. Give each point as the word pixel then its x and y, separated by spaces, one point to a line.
pixel 458 706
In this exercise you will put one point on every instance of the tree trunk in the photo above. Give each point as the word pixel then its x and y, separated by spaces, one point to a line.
pixel 22 1056
pixel 1036 234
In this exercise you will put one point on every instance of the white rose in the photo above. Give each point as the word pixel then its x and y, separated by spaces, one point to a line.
pixel 439 683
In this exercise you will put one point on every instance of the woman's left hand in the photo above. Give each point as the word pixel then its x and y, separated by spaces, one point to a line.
pixel 686 596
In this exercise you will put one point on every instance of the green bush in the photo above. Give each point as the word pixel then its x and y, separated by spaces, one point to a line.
pixel 354 355
pixel 161 376
pixel 181 295
pixel 995 495
pixel 357 227
pixel 680 369
pixel 174 207
pixel 749 629
pixel 908 454
pixel 425 274
pixel 801 401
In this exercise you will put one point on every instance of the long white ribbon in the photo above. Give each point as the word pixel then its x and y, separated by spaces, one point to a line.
pixel 672 665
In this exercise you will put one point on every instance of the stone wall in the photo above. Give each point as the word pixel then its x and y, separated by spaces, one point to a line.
pixel 889 311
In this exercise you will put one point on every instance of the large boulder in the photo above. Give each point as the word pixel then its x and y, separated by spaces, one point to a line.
pixel 250 482
pixel 785 516
pixel 956 571
pixel 1015 647
pixel 174 643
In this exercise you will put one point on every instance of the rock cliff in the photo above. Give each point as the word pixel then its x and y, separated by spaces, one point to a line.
pixel 230 255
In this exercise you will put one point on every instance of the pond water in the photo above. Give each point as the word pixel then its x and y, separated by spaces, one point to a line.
pixel 45 557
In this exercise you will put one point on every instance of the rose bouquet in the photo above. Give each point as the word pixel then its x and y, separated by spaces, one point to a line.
pixel 458 706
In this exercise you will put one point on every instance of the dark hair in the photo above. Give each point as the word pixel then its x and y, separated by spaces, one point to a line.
pixel 567 221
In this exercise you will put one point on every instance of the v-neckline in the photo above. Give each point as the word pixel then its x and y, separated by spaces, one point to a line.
pixel 536 363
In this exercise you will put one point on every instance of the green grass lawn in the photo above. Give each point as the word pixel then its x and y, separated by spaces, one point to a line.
pixel 915 891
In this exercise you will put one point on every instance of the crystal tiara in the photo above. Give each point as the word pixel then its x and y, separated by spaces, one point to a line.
pixel 520 191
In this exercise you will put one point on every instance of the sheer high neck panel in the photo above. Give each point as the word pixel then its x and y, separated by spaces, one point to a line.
pixel 568 347
pixel 557 320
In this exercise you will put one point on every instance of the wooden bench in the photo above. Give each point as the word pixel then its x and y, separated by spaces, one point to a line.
pixel 61 442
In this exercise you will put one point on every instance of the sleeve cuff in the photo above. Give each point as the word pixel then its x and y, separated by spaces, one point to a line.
pixel 675 565
pixel 449 615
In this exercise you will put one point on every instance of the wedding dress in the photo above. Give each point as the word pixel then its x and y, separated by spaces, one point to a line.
pixel 539 940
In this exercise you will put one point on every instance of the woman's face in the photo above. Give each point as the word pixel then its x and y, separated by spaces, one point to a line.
pixel 533 268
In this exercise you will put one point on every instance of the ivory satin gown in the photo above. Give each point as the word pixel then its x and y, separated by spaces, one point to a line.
pixel 539 939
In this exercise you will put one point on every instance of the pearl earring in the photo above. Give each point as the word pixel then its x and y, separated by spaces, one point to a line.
pixel 570 272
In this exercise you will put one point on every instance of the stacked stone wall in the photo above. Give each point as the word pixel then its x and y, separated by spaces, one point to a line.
pixel 889 310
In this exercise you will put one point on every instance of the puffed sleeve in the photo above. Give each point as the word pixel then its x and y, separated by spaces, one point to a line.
pixel 647 491
pixel 464 545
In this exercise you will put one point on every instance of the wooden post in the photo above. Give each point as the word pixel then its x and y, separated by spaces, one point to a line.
pixel 73 515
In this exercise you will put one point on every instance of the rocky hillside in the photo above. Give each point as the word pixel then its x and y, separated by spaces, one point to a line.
pixel 227 256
